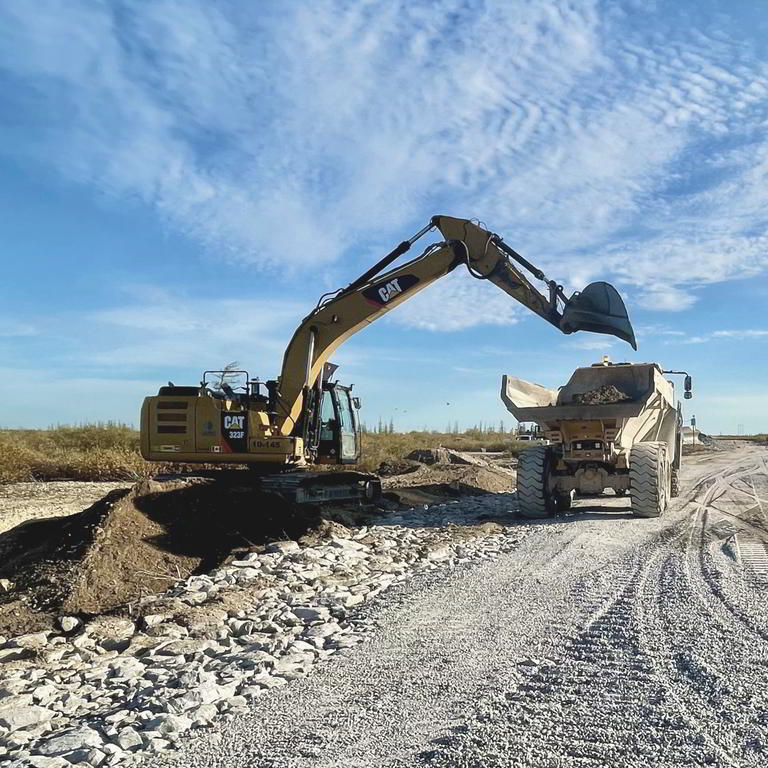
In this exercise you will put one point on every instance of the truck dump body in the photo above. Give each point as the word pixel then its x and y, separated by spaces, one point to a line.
pixel 532 402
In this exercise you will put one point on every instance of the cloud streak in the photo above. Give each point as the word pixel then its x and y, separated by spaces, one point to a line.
pixel 598 142
pixel 745 334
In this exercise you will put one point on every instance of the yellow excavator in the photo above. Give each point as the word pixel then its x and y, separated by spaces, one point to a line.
pixel 282 426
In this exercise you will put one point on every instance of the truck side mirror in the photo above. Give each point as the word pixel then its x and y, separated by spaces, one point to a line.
pixel 356 402
pixel 688 384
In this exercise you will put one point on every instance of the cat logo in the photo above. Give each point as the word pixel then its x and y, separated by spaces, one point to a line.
pixel 389 290
pixel 234 433
pixel 383 293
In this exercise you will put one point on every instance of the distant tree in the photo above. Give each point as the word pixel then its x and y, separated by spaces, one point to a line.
pixel 391 426
pixel 501 426
pixel 227 376
pixel 380 428
pixel 455 427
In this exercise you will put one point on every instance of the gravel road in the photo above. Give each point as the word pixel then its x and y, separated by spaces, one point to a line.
pixel 600 640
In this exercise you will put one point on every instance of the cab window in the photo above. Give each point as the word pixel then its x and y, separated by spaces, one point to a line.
pixel 327 418
pixel 345 409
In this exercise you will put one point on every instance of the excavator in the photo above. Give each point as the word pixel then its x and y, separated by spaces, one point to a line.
pixel 283 427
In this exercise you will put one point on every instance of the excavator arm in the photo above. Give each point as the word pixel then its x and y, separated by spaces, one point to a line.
pixel 338 316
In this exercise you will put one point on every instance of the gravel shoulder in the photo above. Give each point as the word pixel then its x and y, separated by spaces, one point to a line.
pixel 598 639
pixel 20 502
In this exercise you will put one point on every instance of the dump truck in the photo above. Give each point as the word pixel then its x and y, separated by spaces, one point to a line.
pixel 613 425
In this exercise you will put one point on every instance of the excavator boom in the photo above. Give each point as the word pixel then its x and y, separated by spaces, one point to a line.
pixel 598 308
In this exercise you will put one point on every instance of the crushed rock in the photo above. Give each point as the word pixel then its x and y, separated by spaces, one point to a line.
pixel 121 690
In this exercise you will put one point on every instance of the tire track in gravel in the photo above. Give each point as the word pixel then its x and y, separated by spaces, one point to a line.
pixel 602 701
pixel 701 569
pixel 630 690
pixel 713 654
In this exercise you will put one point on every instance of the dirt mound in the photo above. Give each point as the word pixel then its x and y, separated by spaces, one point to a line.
pixel 440 481
pixel 429 456
pixel 139 541
pixel 397 467
pixel 604 395
pixel 133 543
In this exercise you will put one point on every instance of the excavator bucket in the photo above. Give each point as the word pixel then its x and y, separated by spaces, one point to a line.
pixel 600 309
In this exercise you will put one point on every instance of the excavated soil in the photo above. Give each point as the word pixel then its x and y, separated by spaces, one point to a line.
pixel 139 541
pixel 430 484
pixel 132 543
pixel 601 396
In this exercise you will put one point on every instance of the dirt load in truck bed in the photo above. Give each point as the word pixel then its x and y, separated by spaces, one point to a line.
pixel 605 395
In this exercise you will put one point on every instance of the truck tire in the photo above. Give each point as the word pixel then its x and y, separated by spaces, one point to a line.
pixel 563 501
pixel 674 488
pixel 533 494
pixel 649 479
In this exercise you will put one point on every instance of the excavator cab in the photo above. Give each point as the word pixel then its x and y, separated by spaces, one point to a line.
pixel 338 436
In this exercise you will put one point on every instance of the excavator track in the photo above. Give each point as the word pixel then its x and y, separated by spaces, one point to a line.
pixel 295 487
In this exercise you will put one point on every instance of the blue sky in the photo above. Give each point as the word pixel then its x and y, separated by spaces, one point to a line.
pixel 180 181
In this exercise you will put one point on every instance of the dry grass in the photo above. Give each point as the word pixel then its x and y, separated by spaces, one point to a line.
pixel 390 447
pixel 111 451
pixel 90 452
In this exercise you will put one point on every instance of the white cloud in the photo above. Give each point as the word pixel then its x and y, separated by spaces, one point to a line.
pixel 458 301
pixel 196 333
pixel 288 135
pixel 665 298
pixel 592 344
pixel 643 331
